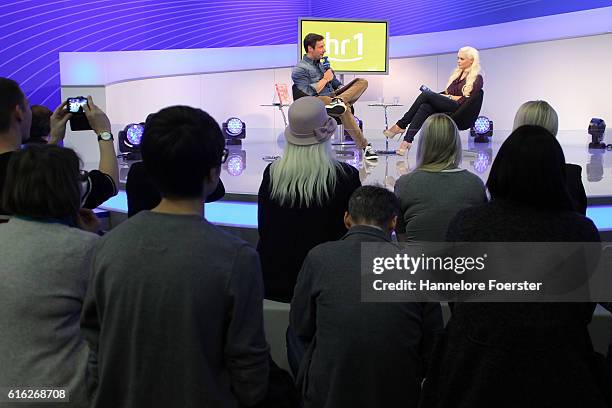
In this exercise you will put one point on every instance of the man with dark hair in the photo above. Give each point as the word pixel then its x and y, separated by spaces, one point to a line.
pixel 41 125
pixel 15 125
pixel 358 354
pixel 15 122
pixel 174 313
pixel 316 78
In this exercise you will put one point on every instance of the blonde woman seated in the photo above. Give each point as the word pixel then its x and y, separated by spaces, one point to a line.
pixel 302 198
pixel 540 113
pixel 464 82
pixel 432 195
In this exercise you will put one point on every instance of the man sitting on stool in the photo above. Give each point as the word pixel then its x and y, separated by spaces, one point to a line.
pixel 314 78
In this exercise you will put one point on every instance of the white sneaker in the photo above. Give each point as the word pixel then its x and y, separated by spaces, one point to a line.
pixel 336 107
pixel 369 153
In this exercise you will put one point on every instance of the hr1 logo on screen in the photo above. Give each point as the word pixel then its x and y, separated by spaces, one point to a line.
pixel 337 49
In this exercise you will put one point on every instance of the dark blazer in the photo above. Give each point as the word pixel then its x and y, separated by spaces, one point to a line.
pixel 358 354
pixel 509 355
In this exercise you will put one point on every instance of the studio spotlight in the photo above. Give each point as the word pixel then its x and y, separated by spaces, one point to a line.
pixel 236 162
pixel 482 129
pixel 482 162
pixel 130 138
pixel 597 129
pixel 595 168
pixel 234 130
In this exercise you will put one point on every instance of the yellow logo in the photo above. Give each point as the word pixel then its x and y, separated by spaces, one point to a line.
pixel 339 48
pixel 352 46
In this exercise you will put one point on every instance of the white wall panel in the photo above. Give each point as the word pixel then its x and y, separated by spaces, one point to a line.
pixel 572 74
pixel 131 102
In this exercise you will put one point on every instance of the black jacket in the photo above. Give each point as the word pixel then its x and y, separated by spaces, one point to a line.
pixel 516 354
pixel 286 234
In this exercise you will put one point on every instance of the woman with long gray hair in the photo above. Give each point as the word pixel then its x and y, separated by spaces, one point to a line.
pixel 431 195
pixel 302 197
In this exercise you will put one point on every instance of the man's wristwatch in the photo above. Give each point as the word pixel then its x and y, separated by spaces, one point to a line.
pixel 105 136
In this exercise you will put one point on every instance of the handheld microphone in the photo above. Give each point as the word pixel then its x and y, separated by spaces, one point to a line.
pixel 325 63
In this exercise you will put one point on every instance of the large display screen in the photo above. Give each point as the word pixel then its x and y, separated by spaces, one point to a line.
pixel 353 46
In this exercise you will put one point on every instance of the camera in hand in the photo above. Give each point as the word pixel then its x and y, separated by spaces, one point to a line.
pixel 75 105
pixel 79 120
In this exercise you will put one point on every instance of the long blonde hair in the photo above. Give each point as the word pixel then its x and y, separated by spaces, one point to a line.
pixel 304 175
pixel 473 54
pixel 439 146
pixel 537 113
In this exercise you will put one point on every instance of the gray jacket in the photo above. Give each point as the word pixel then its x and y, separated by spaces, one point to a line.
pixel 357 354
pixel 43 270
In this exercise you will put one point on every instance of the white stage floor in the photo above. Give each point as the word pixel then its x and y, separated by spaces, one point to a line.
pixel 243 171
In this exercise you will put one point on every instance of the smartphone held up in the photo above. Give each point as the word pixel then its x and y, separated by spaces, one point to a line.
pixel 78 121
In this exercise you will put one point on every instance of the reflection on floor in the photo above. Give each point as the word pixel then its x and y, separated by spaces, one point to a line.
pixel 242 172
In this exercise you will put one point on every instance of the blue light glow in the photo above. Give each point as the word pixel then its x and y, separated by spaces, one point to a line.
pixel 244 215
pixel 481 164
pixel 134 134
pixel 234 126
pixel 482 125
pixel 229 213
pixel 235 165
pixel 601 215
pixel 85 71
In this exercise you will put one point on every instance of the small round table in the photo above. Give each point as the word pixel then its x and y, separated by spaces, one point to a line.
pixel 385 106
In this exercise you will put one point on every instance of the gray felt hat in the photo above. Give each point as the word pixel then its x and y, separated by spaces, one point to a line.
pixel 309 123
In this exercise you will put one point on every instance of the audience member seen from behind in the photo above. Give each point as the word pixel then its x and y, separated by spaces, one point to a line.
pixel 15 122
pixel 519 354
pixel 143 195
pixel 359 354
pixel 464 83
pixel 302 197
pixel 540 113
pixel 44 269
pixel 15 126
pixel 432 195
pixel 193 292
pixel 41 125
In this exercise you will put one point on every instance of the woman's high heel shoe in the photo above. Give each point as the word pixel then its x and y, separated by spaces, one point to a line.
pixel 404 147
pixel 393 132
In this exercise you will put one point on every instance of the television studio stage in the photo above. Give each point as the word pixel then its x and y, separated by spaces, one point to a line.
pixel 561 58
pixel 241 82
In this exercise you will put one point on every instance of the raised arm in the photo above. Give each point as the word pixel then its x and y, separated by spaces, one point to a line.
pixel 99 122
